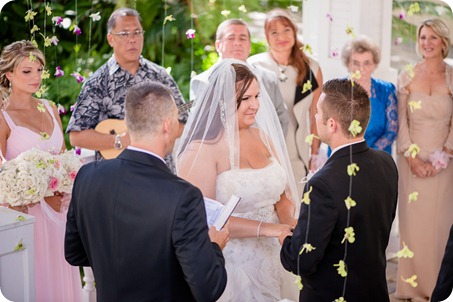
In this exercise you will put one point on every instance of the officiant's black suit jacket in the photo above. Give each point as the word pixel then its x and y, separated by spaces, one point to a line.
pixel 375 189
pixel 143 231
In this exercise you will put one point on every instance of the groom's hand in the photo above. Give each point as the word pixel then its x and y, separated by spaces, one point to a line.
pixel 220 237
pixel 283 235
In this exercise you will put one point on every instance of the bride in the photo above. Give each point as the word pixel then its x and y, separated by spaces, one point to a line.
pixel 233 144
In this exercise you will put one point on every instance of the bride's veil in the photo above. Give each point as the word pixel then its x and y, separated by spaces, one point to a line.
pixel 211 134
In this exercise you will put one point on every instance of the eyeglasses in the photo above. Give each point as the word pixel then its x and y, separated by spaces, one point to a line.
pixel 366 64
pixel 127 34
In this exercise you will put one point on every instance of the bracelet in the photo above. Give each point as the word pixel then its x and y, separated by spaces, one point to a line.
pixel 258 230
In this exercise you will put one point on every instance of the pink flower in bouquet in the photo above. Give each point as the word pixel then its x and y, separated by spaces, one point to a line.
pixel 72 175
pixel 78 151
pixel 53 183
pixel 72 108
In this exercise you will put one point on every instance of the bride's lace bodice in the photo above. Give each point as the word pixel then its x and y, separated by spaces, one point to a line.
pixel 259 189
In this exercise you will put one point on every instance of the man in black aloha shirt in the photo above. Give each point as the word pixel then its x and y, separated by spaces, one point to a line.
pixel 103 95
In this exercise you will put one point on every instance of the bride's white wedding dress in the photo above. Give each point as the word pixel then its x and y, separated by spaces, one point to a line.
pixel 253 264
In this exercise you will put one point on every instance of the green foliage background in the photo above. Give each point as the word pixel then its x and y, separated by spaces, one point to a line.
pixel 166 45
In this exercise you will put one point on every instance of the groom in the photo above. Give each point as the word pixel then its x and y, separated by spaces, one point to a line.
pixel 329 236
pixel 141 228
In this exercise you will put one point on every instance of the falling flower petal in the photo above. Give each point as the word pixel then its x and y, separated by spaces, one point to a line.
pixel 168 69
pixel 307 247
pixel 412 151
pixel 34 28
pixel 169 19
pixel 307 48
pixel 298 281
pixel 19 247
pixel 349 235
pixel 47 41
pixel 350 203
pixel 44 136
pixel 242 9
pixel 225 13
pixel 341 268
pixel 78 77
pixel 414 105
pixel 398 41
pixel 413 197
pixel 405 252
pixel 58 21
pixel 293 8
pixel 61 109
pixel 35 44
pixel 77 31
pixel 45 74
pixel 410 69
pixel 355 128
pixel 413 8
pixel 72 108
pixel 329 17
pixel 32 57
pixel 309 138
pixel 411 280
pixel 356 75
pixel 41 107
pixel 95 17
pixel 350 31
pixel 29 15
pixel 59 72
pixel 352 169
pixel 20 218
pixel 48 9
pixel 306 197
pixel 334 53
pixel 190 33
pixel 307 86
pixel 42 90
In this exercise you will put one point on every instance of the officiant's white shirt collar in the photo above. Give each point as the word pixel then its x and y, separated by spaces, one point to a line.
pixel 145 151
pixel 345 145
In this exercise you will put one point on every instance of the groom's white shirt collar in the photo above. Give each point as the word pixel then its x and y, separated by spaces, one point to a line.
pixel 145 151
pixel 345 145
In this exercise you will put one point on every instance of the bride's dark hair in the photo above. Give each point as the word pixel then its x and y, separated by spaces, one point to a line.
pixel 244 78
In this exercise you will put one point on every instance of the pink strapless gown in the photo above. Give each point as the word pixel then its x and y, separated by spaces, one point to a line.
pixel 55 279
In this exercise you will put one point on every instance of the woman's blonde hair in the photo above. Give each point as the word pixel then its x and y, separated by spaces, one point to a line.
pixel 12 55
pixel 298 59
pixel 441 29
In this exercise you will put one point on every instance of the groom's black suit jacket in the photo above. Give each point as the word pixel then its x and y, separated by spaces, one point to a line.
pixel 374 189
pixel 143 231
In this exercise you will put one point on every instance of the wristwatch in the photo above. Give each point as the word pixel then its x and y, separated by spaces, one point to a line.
pixel 118 145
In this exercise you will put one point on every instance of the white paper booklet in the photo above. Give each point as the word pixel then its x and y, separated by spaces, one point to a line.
pixel 218 213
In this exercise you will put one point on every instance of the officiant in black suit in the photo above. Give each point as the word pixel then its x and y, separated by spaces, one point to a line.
pixel 321 228
pixel 142 229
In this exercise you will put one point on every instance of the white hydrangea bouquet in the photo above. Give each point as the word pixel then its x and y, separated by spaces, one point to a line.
pixel 36 174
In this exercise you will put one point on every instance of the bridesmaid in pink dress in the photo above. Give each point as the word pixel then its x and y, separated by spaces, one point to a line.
pixel 27 122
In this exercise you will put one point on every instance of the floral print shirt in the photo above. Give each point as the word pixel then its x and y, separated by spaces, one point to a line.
pixel 103 95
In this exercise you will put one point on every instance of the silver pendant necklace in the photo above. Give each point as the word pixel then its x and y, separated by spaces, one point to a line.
pixel 282 68
pixel 282 77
